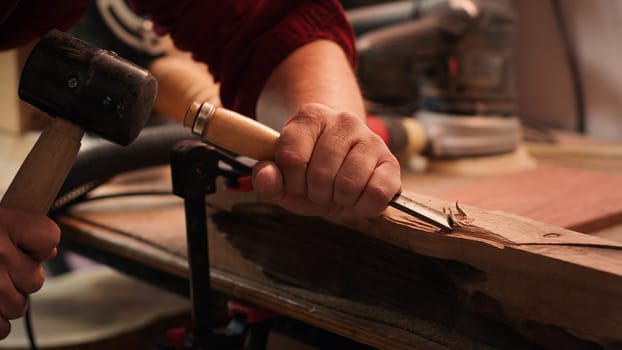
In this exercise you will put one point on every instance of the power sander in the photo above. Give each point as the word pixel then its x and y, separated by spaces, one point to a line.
pixel 442 74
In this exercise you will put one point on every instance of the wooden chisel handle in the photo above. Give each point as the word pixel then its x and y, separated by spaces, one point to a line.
pixel 232 131
pixel 247 137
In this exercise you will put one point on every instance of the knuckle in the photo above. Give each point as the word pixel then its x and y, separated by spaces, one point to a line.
pixel 290 159
pixel 310 109
pixel 307 114
pixel 372 145
pixel 348 120
pixel 319 176
pixel 389 165
pixel 379 193
pixel 375 141
pixel 389 173
pixel 350 127
pixel 342 137
pixel 394 169
pixel 346 184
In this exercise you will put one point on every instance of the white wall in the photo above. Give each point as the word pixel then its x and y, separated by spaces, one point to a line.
pixel 543 78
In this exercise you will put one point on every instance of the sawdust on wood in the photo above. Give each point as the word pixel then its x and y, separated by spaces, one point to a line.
pixel 459 217
pixel 463 226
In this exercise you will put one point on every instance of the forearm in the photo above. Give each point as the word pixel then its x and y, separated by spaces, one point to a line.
pixel 327 161
pixel 316 72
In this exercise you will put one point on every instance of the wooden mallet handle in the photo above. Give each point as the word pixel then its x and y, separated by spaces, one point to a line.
pixel 42 174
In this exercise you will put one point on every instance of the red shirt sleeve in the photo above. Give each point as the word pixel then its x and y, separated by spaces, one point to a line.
pixel 242 41
pixel 26 20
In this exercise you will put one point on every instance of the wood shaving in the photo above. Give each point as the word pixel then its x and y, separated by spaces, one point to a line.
pixel 459 217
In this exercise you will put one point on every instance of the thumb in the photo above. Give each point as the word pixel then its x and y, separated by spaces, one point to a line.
pixel 268 181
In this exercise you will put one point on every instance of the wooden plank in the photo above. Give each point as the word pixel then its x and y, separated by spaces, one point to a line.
pixel 579 200
pixel 496 270
pixel 538 275
pixel 497 274
pixel 534 275
pixel 150 232
pixel 246 279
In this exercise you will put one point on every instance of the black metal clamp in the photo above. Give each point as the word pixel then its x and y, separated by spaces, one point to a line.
pixel 195 167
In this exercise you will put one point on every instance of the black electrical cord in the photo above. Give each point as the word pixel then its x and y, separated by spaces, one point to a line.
pixel 29 331
pixel 123 194
pixel 573 64
pixel 83 199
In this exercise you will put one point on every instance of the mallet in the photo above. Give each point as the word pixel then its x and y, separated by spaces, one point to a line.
pixel 85 88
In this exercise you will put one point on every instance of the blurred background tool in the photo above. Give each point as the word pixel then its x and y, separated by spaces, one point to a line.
pixel 436 74
pixel 448 64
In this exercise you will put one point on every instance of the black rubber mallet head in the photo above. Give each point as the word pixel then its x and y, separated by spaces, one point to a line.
pixel 83 88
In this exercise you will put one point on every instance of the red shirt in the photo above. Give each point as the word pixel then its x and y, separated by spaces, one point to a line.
pixel 242 41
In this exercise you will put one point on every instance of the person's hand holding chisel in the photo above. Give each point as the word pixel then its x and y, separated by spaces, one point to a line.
pixel 328 162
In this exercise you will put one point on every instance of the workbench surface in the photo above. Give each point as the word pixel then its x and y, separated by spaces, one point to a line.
pixel 145 236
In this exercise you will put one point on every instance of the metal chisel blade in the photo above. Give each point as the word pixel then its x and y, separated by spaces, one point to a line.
pixel 422 212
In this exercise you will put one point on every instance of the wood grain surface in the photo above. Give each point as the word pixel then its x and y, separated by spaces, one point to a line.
pixel 576 199
pixel 499 280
